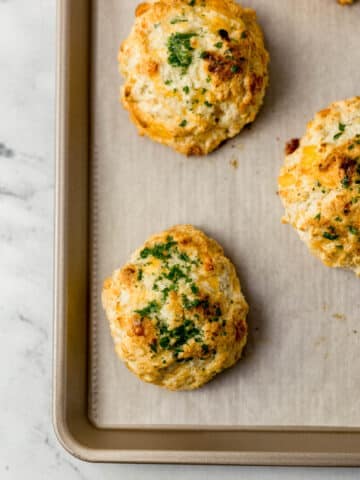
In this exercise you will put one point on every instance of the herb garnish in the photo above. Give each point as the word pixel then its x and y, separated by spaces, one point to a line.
pixel 180 50
pixel 353 230
pixel 175 274
pixel 345 182
pixel 183 123
pixel 177 337
pixel 152 307
pixel 159 250
pixel 341 128
pixel 153 345
pixel 178 20
pixel 330 236
pixel 204 349
pixel 190 304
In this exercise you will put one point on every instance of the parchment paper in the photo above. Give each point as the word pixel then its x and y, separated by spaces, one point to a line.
pixel 302 365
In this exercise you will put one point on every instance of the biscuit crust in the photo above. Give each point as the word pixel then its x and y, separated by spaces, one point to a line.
pixel 320 185
pixel 195 72
pixel 176 312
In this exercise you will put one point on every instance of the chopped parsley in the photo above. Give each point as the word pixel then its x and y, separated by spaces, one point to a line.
pixel 168 82
pixel 164 342
pixel 180 50
pixel 159 250
pixel 244 34
pixel 205 349
pixel 186 89
pixel 330 236
pixel 345 182
pixel 167 290
pixel 341 128
pixel 178 20
pixel 192 3
pixel 175 274
pixel 318 216
pixel 190 304
pixel 195 308
pixel 152 307
pixel 235 69
pixel 208 104
pixel 153 345
pixel 177 337
pixel 183 123
pixel 184 257
pixel 218 45
pixel 353 230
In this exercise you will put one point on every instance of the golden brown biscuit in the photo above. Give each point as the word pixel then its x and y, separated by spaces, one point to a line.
pixel 195 72
pixel 176 311
pixel 320 185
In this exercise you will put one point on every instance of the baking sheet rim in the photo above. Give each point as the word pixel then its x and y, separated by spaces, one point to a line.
pixel 60 421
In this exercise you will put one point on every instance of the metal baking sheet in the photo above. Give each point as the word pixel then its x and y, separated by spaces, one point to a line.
pixel 293 398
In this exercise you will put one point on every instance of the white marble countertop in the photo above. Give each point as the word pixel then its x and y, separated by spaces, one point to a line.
pixel 28 447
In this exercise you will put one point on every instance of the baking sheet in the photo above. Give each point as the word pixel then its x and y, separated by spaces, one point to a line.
pixel 301 366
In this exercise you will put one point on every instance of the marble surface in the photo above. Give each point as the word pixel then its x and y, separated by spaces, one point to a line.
pixel 28 447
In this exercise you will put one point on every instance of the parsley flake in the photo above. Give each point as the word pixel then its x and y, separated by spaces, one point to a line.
pixel 330 236
pixel 353 230
pixel 180 50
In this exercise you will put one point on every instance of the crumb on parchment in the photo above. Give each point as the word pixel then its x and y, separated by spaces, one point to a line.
pixel 234 163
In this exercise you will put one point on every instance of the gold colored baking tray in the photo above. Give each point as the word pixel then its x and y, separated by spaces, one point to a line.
pixel 140 443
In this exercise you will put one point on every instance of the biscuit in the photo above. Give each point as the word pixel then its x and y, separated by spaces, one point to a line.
pixel 176 312
pixel 195 72
pixel 320 185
